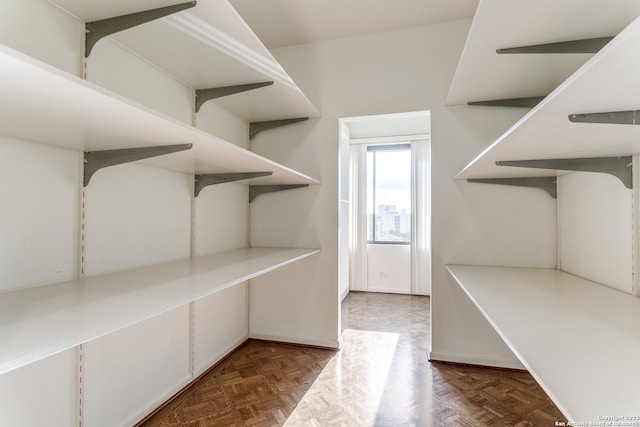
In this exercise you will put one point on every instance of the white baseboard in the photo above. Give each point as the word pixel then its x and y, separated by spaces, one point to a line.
pixel 296 340
pixel 390 291
pixel 344 294
pixel 477 359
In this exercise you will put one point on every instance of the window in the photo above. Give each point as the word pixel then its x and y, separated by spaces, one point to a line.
pixel 389 194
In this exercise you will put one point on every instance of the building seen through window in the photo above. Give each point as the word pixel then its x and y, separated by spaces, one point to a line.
pixel 389 193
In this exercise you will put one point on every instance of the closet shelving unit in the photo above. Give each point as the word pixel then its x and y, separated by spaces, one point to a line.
pixel 78 115
pixel 578 338
pixel 550 131
pixel 211 47
pixel 206 46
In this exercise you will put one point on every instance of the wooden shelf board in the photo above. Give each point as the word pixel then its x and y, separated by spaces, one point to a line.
pixel 43 104
pixel 206 46
pixel 604 83
pixel 501 24
pixel 41 321
pixel 579 339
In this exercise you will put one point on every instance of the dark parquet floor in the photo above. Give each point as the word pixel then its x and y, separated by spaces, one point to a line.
pixel 380 377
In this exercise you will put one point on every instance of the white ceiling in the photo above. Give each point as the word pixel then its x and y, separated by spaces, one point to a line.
pixel 280 23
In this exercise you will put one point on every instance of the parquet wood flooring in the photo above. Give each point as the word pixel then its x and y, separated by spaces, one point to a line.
pixel 380 377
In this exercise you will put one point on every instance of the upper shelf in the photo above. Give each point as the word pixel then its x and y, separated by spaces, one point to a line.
pixel 484 75
pixel 579 339
pixel 38 322
pixel 206 46
pixel 605 83
pixel 43 104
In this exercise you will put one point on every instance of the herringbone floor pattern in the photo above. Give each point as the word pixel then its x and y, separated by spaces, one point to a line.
pixel 380 377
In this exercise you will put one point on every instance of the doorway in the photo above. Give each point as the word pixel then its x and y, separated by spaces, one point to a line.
pixel 384 190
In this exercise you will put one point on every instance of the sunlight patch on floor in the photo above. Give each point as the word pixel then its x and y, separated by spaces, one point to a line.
pixel 349 389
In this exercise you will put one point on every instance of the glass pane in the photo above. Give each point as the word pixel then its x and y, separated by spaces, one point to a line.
pixel 392 196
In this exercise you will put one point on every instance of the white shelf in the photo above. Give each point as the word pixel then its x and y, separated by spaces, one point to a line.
pixel 579 339
pixel 43 104
pixel 206 46
pixel 41 321
pixel 484 75
pixel 605 83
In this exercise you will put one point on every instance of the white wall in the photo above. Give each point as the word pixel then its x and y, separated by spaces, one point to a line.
pixel 128 373
pixel 400 71
pixel 41 30
pixel 389 268
pixel 220 325
pixel 595 229
pixel 42 393
pixel 39 187
pixel 115 68
pixel 136 215
pixel 343 211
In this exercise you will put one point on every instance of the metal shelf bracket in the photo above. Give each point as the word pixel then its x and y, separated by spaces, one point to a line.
pixel 546 183
pixel 528 102
pixel 204 95
pixel 204 180
pixel 620 167
pixel 98 29
pixel 256 190
pixel 96 160
pixel 631 117
pixel 256 127
pixel 572 46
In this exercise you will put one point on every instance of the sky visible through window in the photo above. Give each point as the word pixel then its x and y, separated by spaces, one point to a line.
pixel 389 193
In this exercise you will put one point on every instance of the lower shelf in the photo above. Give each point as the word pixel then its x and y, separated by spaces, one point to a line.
pixel 41 321
pixel 579 339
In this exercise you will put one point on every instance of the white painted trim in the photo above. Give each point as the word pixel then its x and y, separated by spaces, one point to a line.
pixel 476 359
pixel 344 294
pixel 332 344
pixel 635 225
pixel 390 290
pixel 388 139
